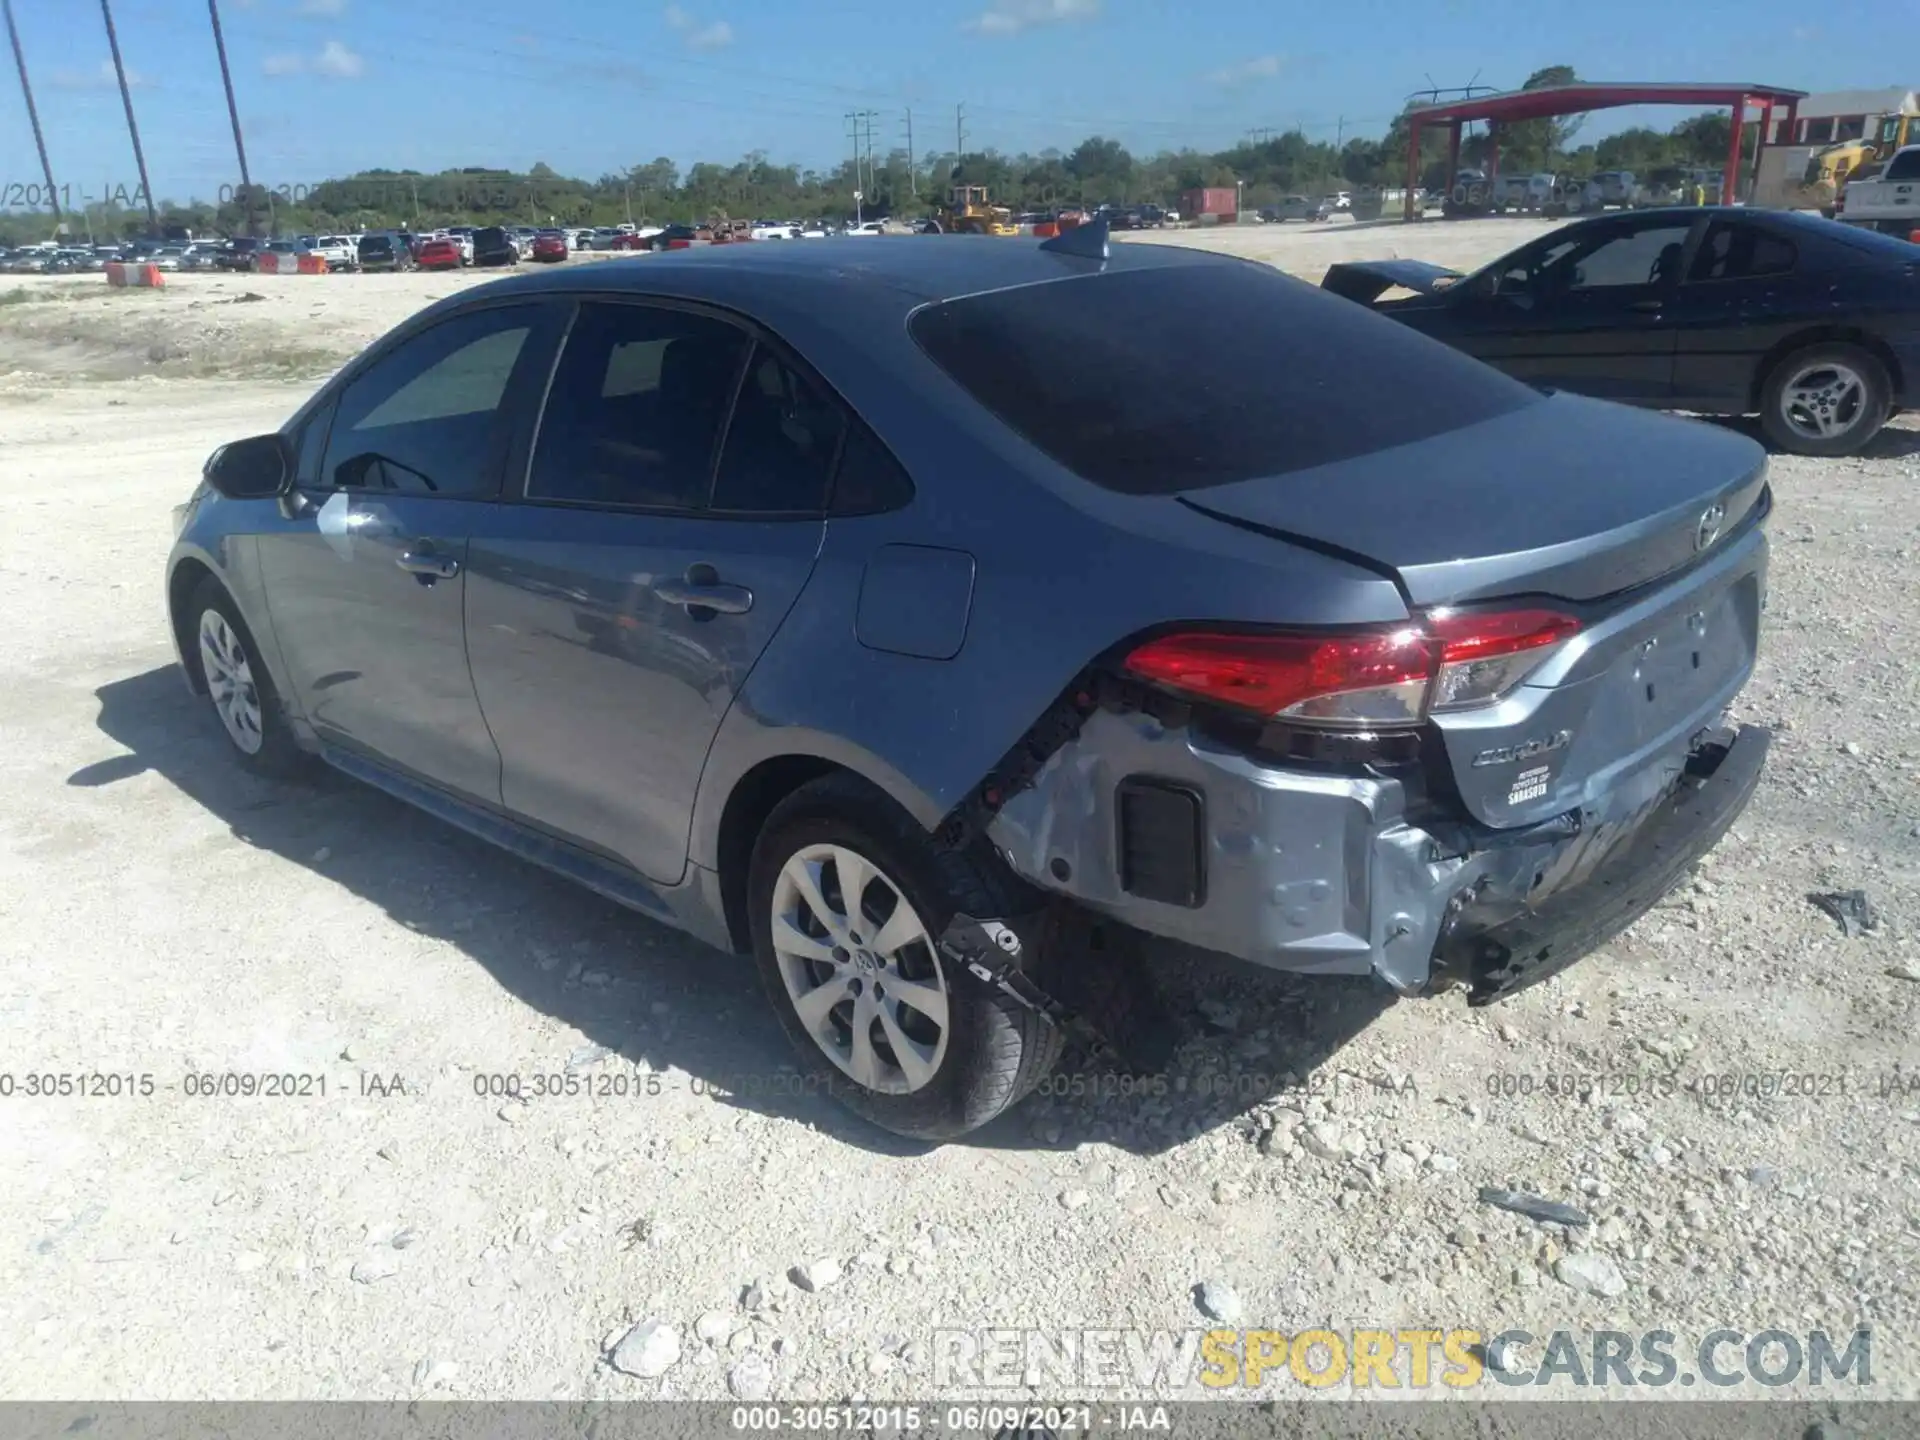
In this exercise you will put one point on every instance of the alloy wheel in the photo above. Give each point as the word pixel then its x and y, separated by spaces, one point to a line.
pixel 1823 401
pixel 230 682
pixel 860 968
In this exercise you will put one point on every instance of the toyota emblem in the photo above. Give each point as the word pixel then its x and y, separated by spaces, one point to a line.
pixel 1708 530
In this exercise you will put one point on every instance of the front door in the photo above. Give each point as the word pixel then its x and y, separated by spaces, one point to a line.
pixel 617 605
pixel 366 574
pixel 1586 311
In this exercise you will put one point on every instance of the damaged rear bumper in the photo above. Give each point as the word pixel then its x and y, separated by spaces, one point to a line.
pixel 1325 873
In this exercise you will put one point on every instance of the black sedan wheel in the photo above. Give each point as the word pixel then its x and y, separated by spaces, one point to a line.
pixel 1825 400
pixel 847 896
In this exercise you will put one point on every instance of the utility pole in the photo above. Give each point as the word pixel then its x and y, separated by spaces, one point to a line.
pixel 852 117
pixel 913 174
pixel 133 129
pixel 1260 136
pixel 1339 132
pixel 233 114
pixel 959 135
pixel 33 115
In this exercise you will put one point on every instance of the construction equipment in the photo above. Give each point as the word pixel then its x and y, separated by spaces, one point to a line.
pixel 967 212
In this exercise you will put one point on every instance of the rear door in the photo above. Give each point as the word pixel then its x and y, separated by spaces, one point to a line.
pixel 366 577
pixel 1586 311
pixel 1744 292
pixel 670 514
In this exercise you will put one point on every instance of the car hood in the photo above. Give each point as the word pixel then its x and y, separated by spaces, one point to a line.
pixel 1569 497
pixel 1367 280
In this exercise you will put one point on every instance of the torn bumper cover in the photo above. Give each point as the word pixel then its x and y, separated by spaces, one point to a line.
pixel 1324 873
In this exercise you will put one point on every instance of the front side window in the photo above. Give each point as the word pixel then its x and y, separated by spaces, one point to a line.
pixel 422 420
pixel 1643 255
pixel 636 407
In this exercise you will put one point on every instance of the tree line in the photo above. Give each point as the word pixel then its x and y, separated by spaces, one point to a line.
pixel 1098 170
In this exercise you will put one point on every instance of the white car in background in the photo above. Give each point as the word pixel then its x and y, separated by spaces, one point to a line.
pixel 776 232
pixel 870 227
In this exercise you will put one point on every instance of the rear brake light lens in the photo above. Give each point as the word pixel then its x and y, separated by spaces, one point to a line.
pixel 1484 656
pixel 1376 678
pixel 1372 679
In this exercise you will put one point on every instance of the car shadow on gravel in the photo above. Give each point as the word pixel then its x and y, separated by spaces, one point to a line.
pixel 650 994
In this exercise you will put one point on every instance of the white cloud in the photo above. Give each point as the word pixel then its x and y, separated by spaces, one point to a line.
pixel 1010 17
pixel 101 78
pixel 334 60
pixel 322 7
pixel 1262 67
pixel 338 61
pixel 716 35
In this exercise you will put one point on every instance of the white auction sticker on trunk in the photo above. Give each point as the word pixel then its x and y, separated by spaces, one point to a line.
pixel 1529 785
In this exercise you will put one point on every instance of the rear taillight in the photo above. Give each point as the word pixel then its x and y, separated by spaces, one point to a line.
pixel 1373 679
pixel 1483 656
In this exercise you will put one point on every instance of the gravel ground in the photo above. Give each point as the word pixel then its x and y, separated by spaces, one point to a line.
pixel 404 1235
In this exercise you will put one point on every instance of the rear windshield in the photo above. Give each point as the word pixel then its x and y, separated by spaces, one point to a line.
pixel 376 242
pixel 491 237
pixel 1149 382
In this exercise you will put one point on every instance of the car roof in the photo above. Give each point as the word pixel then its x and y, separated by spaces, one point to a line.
pixel 915 269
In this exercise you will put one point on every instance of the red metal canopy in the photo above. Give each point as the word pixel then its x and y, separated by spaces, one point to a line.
pixel 1584 95
pixel 1593 95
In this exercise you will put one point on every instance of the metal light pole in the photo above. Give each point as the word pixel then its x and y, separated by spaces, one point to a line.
pixel 133 129
pixel 33 115
pixel 233 114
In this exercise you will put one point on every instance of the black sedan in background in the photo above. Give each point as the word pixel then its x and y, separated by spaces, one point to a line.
pixel 1812 325
pixel 495 245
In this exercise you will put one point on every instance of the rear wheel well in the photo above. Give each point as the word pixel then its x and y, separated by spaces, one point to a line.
pixel 1825 335
pixel 181 584
pixel 752 801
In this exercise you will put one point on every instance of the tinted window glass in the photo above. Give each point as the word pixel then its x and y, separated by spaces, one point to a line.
pixel 869 480
pixel 1904 166
pixel 635 408
pixel 422 420
pixel 780 443
pixel 1647 255
pixel 1741 252
pixel 1155 381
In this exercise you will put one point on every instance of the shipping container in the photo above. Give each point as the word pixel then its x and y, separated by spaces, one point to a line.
pixel 1215 200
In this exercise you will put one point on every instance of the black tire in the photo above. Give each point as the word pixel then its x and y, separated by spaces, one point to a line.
pixel 996 1049
pixel 1866 416
pixel 277 755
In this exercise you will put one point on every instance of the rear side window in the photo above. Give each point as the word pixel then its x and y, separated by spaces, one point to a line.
pixel 1150 382
pixel 636 406
pixel 1741 252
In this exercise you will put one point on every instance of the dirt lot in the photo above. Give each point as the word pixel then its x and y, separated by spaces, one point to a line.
pixel 407 1234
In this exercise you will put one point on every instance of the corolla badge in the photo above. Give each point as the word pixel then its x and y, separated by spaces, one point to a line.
pixel 1525 750
pixel 1708 529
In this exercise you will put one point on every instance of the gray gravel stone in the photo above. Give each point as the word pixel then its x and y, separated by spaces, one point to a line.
pixel 750 1378
pixel 815 1275
pixel 1218 1301
pixel 648 1350
pixel 1592 1272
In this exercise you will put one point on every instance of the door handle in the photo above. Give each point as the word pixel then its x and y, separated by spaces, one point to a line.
pixel 703 590
pixel 1649 307
pixel 427 565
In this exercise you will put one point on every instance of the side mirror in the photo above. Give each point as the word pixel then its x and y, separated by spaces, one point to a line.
pixel 257 468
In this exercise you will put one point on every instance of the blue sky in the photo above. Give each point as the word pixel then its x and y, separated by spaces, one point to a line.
pixel 329 86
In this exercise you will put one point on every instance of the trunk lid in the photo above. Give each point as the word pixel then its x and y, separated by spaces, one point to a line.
pixel 1644 528
pixel 1572 498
